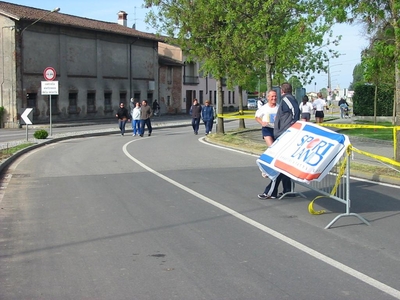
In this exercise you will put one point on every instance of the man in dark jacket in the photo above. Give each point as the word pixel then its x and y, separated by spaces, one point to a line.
pixel 123 116
pixel 288 114
pixel 195 112
pixel 145 116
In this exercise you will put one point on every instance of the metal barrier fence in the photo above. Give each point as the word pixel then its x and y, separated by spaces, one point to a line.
pixel 336 187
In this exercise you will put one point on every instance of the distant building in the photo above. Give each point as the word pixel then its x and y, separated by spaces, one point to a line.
pixel 98 64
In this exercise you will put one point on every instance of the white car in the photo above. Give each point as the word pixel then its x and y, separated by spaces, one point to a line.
pixel 251 104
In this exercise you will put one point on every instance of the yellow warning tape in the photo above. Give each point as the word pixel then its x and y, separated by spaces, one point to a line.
pixel 349 126
pixel 342 169
pixel 377 157
pixel 238 115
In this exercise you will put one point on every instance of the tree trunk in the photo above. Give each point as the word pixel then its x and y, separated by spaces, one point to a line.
pixel 397 89
pixel 397 95
pixel 268 71
pixel 375 101
pixel 220 108
pixel 241 120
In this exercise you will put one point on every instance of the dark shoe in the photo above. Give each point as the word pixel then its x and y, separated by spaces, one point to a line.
pixel 265 196
pixel 141 135
pixel 150 134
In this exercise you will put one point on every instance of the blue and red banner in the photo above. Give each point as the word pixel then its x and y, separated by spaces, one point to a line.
pixel 305 152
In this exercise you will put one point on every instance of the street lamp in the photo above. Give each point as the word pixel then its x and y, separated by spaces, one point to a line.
pixel 57 9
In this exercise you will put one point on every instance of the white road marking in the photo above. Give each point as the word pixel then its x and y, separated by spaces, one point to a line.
pixel 334 263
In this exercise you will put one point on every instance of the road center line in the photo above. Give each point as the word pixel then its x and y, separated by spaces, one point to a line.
pixel 334 263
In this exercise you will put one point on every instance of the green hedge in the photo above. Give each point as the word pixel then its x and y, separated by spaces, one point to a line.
pixel 363 101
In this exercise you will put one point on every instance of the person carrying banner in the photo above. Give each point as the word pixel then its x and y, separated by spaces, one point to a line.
pixel 265 116
pixel 288 113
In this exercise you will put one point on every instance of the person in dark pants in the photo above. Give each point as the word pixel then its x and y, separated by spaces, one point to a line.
pixel 195 112
pixel 123 117
pixel 288 113
pixel 207 114
pixel 145 116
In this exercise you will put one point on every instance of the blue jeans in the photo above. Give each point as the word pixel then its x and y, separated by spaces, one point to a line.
pixel 144 123
pixel 136 127
pixel 196 124
pixel 209 125
pixel 121 124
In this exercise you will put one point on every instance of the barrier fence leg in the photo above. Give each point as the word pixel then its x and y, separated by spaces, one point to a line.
pixel 292 192
pixel 348 201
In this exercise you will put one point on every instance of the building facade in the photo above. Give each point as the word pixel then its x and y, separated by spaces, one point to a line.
pixel 98 65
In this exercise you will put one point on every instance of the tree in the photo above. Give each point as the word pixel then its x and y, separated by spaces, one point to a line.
pixel 378 15
pixel 358 76
pixel 233 38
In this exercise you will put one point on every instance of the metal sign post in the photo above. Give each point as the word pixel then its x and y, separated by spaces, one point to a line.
pixel 50 87
pixel 27 121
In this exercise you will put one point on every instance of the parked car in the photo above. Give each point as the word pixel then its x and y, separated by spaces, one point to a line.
pixel 251 104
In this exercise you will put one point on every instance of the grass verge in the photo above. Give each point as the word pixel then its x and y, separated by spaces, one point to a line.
pixel 239 140
pixel 6 153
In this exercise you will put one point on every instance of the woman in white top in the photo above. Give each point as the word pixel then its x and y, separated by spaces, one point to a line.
pixel 305 109
pixel 319 105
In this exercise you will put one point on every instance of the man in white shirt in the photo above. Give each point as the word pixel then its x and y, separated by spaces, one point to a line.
pixel 265 116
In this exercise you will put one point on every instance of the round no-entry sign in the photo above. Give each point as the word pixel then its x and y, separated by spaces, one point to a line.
pixel 49 73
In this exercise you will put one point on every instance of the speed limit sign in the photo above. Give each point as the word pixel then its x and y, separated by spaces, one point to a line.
pixel 49 73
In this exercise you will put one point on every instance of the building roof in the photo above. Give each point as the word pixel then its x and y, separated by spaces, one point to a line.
pixel 168 61
pixel 26 13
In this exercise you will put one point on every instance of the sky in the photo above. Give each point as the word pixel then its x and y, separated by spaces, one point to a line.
pixel 350 47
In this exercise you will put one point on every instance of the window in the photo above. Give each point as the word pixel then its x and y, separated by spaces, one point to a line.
pixel 91 102
pixel 73 103
pixel 31 100
pixel 136 96
pixel 168 100
pixel 122 98
pixel 229 97
pixel 150 98
pixel 215 97
pixel 107 101
pixel 211 98
pixel 233 97
pixel 201 97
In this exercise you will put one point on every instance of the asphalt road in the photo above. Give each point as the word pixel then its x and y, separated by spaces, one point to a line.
pixel 171 217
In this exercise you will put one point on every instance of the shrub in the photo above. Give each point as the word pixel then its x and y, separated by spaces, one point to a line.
pixel 40 134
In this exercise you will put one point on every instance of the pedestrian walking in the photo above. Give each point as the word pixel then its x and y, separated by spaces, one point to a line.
pixel 319 104
pixel 145 114
pixel 123 117
pixel 136 119
pixel 195 112
pixel 207 115
pixel 305 108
